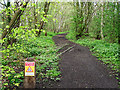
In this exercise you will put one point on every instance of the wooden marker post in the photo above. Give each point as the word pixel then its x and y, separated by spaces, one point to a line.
pixel 29 75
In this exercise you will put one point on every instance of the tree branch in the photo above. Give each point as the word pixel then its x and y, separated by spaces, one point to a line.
pixel 46 8
pixel 3 4
pixel 13 21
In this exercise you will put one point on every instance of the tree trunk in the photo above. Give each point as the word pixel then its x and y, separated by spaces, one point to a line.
pixel 101 31
pixel 14 21
pixel 3 20
pixel 79 20
pixel 118 20
pixel 8 17
pixel 18 20
pixel 46 8
pixel 60 22
pixel 35 15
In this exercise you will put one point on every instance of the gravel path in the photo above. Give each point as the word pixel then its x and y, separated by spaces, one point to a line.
pixel 80 69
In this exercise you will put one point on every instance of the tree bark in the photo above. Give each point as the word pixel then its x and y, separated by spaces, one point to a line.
pixel 18 20
pixel 35 15
pixel 14 20
pixel 8 12
pixel 3 20
pixel 46 8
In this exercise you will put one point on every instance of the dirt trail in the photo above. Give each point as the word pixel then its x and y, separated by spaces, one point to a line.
pixel 80 69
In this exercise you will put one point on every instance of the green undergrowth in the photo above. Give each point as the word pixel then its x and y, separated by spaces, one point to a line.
pixel 42 49
pixel 71 35
pixel 108 53
pixel 63 32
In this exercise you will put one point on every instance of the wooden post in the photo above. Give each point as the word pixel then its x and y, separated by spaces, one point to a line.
pixel 29 75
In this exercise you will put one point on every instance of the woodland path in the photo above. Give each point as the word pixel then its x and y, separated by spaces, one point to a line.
pixel 80 69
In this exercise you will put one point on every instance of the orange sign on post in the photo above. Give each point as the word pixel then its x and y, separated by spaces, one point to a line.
pixel 29 68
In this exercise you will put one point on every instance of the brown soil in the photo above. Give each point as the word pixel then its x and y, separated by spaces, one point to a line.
pixel 80 69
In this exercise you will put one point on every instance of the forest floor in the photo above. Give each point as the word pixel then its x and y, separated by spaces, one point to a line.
pixel 80 69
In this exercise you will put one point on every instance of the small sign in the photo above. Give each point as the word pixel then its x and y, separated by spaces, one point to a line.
pixel 29 68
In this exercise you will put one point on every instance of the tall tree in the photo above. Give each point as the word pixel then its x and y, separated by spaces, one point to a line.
pixel 17 5
pixel 8 12
pixel 35 13
pixel 46 8
pixel 101 31
pixel 84 15
pixel 118 20
pixel 13 21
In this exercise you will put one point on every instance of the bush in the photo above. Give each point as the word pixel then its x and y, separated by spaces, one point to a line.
pixel 41 48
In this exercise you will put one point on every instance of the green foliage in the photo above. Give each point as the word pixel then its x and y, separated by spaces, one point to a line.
pixel 63 32
pixel 110 23
pixel 41 48
pixel 71 35
pixel 50 34
pixel 107 52
pixel 47 62
pixel 59 17
pixel 106 49
pixel 27 45
pixel 10 77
